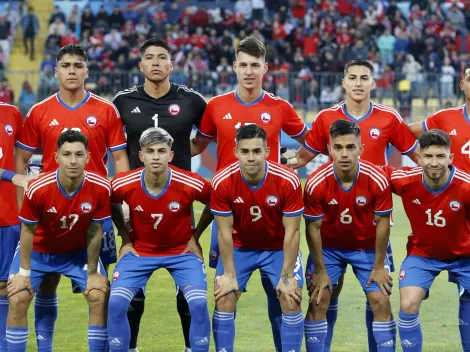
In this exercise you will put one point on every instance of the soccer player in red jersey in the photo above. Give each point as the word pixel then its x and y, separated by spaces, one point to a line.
pixel 72 108
pixel 160 197
pixel 380 126
pixel 257 205
pixel 249 104
pixel 61 217
pixel 436 198
pixel 342 201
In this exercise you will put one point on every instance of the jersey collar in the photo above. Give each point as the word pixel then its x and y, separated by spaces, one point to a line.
pixel 343 107
pixel 254 188
pixel 68 107
pixel 253 102
pixel 465 115
pixel 451 176
pixel 62 190
pixel 162 192
pixel 354 181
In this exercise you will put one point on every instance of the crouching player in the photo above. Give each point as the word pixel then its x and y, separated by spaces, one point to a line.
pixel 257 205
pixel 342 201
pixel 159 198
pixel 436 198
pixel 62 216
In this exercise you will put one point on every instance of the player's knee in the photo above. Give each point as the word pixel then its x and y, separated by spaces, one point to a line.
pixel 227 303
pixel 380 304
pixel 3 288
pixel 288 306
pixel 19 303
pixel 117 308
pixel 198 309
pixel 97 299
pixel 409 305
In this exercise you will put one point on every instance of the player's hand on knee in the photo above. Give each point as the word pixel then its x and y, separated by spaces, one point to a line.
pixel 19 283
pixel 289 287
pixel 23 180
pixel 194 247
pixel 224 285
pixel 96 281
pixel 288 157
pixel 381 277
pixel 126 248
pixel 316 288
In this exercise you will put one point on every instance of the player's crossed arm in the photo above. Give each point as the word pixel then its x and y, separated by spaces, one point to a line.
pixel 117 216
pixel 17 179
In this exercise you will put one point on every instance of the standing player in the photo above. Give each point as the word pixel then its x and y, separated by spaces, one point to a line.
pixel 173 107
pixel 342 200
pixel 249 104
pixel 62 215
pixel 436 198
pixel 72 108
pixel 160 200
pixel 380 126
pixel 257 205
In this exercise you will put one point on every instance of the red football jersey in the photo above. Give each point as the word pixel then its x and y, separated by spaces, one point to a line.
pixel 440 220
pixel 456 123
pixel 226 113
pixel 161 224
pixel 63 220
pixel 11 124
pixel 347 215
pixel 257 211
pixel 380 127
pixel 95 117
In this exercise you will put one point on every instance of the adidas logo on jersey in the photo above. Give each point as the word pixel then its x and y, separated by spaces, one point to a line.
pixel 227 117
pixel 202 342
pixel 136 110
pixel 54 123
pixel 115 342
pixel 388 343
pixel 138 208
pixel 52 210
pixel 333 202
pixel 453 132
pixel 239 200
pixel 416 201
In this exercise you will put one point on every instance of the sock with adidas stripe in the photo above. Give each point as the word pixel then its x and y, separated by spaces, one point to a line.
pixel 17 338
pixel 411 335
pixel 464 320
pixel 119 331
pixel 315 334
pixel 331 317
pixel 97 338
pixel 45 315
pixel 3 322
pixel 385 334
pixel 292 331
pixel 223 326
pixel 370 331
pixel 200 331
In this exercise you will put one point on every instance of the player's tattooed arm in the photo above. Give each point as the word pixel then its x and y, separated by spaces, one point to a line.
pixel 379 274
pixel 21 280
pixel 93 239
pixel 199 144
pixel 320 280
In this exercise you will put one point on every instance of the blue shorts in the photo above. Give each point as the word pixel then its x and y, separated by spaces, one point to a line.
pixel 336 260
pixel 268 262
pixel 214 248
pixel 421 271
pixel 74 265
pixel 108 244
pixel 9 238
pixel 133 272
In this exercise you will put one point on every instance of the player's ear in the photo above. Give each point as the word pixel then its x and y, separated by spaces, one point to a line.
pixel 56 157
pixel 268 150
pixel 87 71
pixel 461 84
pixel 343 83
pixel 235 152
pixel 88 156
pixel 171 66
pixel 265 67
pixel 373 84
pixel 234 66
pixel 328 146
pixel 140 65
pixel 172 154
pixel 451 158
pixel 361 149
pixel 141 156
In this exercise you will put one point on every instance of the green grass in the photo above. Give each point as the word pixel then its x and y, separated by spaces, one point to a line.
pixel 161 330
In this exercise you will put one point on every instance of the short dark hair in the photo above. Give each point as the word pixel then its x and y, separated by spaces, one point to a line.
pixel 344 127
pixel 365 63
pixel 434 137
pixel 465 68
pixel 72 50
pixel 252 47
pixel 250 132
pixel 72 136
pixel 155 42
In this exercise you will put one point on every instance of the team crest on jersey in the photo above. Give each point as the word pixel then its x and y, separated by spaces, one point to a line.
pixel 265 117
pixel 116 275
pixel 402 274
pixel 174 109
pixel 9 130
pixel 272 200
pixel 361 201
pixel 174 206
pixel 454 205
pixel 91 121
pixel 86 207
pixel 374 133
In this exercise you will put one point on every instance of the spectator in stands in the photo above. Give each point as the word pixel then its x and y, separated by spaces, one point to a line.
pixel 74 19
pixel 327 97
pixel 13 17
pixel 116 19
pixel 432 66
pixel 30 25
pixel 386 45
pixel 27 98
pixel 5 38
pixel 243 8
pixel 113 40
pixel 412 70
pixel 258 7
pixel 143 27
pixel 6 93
pixel 57 12
pixel 68 38
pixel 47 83
pixel 102 15
pixel 53 41
pixel 48 61
pixel 57 27
pixel 88 20
pixel 371 17
pixel 456 17
pixel 447 79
